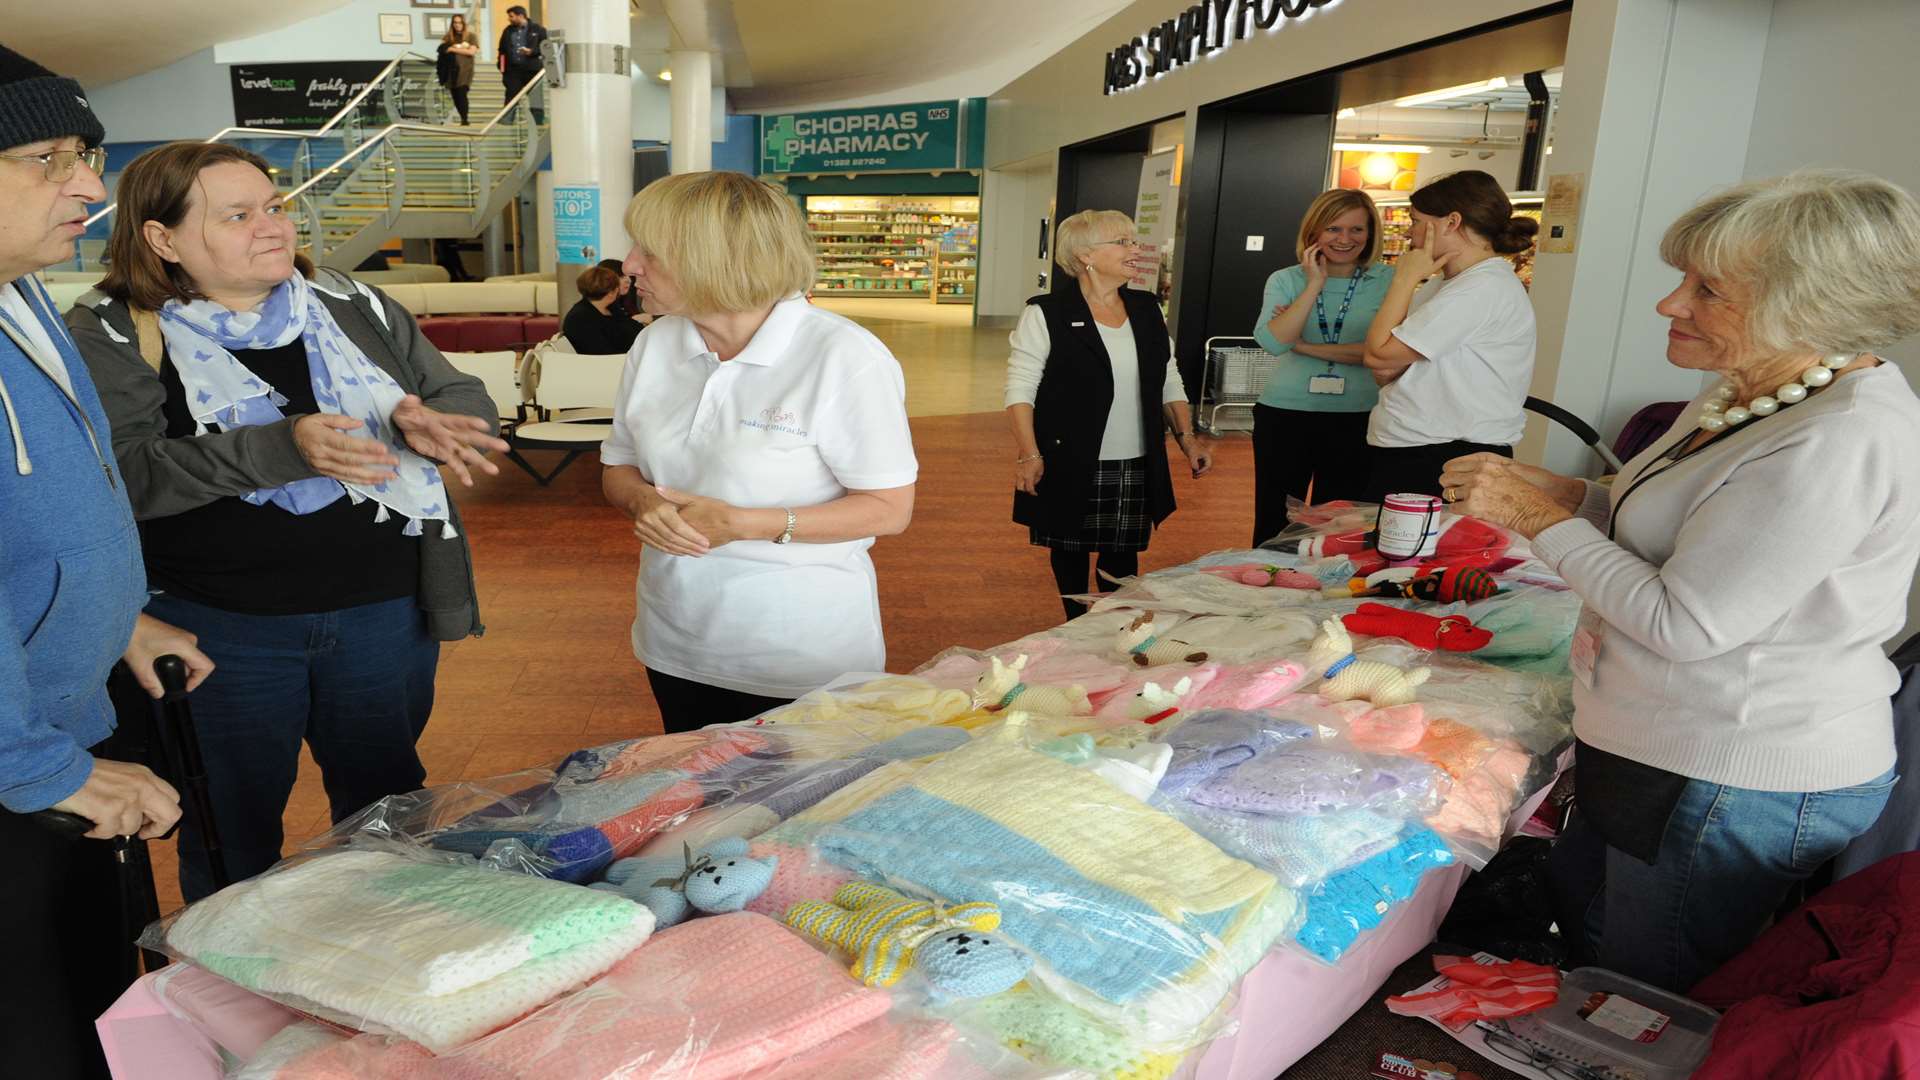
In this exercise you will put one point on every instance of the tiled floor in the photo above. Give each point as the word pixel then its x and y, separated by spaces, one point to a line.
pixel 554 671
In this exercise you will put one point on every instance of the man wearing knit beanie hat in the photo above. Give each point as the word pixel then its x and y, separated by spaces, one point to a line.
pixel 71 589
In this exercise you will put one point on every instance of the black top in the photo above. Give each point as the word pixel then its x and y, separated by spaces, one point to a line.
pixel 594 334
pixel 1071 405
pixel 262 560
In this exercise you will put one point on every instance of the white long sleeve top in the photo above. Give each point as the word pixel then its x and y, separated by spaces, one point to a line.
pixel 1027 362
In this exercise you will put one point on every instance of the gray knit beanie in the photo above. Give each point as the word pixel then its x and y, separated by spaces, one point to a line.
pixel 36 104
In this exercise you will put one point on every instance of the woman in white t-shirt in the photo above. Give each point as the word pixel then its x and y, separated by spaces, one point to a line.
pixel 1453 363
pixel 759 444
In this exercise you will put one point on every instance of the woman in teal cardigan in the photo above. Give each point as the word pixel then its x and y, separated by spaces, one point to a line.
pixel 1311 421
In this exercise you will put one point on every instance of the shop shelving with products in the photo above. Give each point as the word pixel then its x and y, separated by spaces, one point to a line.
pixel 956 263
pixel 889 245
pixel 1396 228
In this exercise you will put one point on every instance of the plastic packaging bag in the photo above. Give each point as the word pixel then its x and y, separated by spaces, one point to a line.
pixel 1357 900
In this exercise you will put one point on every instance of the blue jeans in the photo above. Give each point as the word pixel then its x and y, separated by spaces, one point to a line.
pixel 355 684
pixel 1727 860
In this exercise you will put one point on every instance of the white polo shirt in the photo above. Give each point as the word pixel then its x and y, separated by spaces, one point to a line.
pixel 1477 334
pixel 813 407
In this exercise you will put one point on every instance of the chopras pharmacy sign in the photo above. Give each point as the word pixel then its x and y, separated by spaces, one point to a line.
pixel 893 138
pixel 1203 28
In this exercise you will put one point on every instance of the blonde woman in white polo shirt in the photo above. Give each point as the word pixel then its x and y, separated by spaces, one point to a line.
pixel 759 444
pixel 1453 363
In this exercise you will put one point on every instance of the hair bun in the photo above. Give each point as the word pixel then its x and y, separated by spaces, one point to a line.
pixel 1517 236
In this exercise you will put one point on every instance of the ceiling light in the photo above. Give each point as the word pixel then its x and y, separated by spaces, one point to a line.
pixel 666 76
pixel 1496 83
pixel 1383 148
pixel 1346 114
pixel 1378 170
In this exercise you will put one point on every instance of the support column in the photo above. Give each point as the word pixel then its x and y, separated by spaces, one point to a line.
pixel 691 146
pixel 592 133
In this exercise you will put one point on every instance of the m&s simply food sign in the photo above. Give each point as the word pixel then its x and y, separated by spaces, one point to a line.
pixel 902 138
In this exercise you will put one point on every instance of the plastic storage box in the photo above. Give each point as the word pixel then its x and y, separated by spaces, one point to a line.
pixel 1612 1027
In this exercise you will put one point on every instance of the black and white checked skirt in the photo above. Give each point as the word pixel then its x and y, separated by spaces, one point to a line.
pixel 1116 517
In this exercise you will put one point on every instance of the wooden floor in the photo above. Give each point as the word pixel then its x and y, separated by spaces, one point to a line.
pixel 555 671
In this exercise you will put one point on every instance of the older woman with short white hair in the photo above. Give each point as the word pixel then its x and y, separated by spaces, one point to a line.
pixel 1091 386
pixel 1740 577
pixel 759 444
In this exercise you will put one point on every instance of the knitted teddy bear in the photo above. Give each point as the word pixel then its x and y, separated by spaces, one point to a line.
pixel 887 932
pixel 719 878
pixel 1347 677
pixel 1148 649
pixel 999 687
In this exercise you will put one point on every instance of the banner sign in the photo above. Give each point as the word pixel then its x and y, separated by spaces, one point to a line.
pixel 576 225
pixel 923 137
pixel 1205 27
pixel 298 97
pixel 1153 216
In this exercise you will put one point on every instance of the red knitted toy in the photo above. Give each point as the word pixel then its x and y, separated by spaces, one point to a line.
pixel 1453 633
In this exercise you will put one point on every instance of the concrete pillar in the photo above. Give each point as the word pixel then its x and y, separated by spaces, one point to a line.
pixel 690 147
pixel 592 132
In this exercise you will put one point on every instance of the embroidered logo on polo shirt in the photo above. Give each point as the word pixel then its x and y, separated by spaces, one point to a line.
pixel 776 418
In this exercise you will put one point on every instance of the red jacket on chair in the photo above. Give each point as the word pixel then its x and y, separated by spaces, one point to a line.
pixel 1831 991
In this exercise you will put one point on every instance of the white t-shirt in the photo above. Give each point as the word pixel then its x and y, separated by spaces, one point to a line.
pixel 25 315
pixel 813 407
pixel 1477 334
pixel 1027 362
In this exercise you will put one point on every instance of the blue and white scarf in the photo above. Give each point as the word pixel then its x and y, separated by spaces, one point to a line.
pixel 222 392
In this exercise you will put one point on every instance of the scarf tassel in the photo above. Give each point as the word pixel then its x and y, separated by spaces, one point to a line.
pixel 413 527
pixel 381 517
pixel 447 531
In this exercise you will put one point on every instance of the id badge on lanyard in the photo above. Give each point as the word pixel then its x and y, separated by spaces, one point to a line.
pixel 1589 637
pixel 1331 383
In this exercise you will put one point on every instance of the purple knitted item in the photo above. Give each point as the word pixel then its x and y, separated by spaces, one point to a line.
pixel 1306 780
pixel 1214 740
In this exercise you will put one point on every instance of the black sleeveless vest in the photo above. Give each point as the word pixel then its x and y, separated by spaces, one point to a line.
pixel 1075 396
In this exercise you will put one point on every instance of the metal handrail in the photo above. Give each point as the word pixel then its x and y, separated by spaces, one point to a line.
pixel 465 132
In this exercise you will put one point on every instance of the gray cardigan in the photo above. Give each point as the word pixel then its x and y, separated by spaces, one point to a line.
pixel 169 476
pixel 1748 590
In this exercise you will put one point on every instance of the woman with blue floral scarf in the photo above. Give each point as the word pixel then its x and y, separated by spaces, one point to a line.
pixel 282 440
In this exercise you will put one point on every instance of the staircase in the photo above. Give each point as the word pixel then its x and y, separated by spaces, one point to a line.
pixel 396 163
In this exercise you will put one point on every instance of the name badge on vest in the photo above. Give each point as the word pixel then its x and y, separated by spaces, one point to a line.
pixel 1077 324
pixel 1327 384
pixel 1588 638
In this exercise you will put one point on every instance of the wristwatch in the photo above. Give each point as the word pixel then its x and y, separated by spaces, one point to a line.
pixel 786 536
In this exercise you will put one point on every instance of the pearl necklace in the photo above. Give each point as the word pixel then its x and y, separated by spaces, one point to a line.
pixel 1720 413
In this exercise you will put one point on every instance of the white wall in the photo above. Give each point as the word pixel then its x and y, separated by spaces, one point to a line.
pixel 190 98
pixel 1838 90
pixel 1012 202
pixel 348 33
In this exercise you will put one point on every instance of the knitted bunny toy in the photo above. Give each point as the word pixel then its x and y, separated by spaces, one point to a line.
pixel 1148 649
pixel 1346 677
pixel 1152 704
pixel 1264 576
pixel 887 933
pixel 999 687
pixel 719 878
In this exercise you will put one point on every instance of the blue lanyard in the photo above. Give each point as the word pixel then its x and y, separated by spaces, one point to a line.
pixel 1339 321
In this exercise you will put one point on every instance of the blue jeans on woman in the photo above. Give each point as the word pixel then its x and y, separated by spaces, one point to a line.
pixel 1727 860
pixel 355 684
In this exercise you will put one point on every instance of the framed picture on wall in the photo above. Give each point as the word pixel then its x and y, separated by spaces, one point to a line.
pixel 436 4
pixel 396 29
pixel 436 25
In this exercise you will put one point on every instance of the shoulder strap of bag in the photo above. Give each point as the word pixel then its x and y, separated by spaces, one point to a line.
pixel 146 329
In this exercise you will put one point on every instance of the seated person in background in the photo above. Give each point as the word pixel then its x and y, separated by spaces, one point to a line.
pixel 629 302
pixel 595 326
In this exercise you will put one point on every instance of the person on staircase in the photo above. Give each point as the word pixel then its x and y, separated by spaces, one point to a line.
pixel 458 47
pixel 519 57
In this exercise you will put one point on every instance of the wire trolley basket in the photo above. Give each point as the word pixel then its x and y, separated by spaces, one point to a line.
pixel 1236 371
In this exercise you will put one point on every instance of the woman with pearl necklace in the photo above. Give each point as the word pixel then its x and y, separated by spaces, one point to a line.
pixel 1739 577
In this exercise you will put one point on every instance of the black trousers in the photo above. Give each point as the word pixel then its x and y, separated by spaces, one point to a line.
pixel 459 96
pixel 1070 574
pixel 514 78
pixel 686 705
pixel 1292 447
pixel 1416 469
pixel 60 904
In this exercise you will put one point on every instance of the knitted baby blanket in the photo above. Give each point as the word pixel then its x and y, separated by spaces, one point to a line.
pixel 1214 740
pixel 1112 894
pixel 437 952
pixel 1305 778
pixel 1354 901
pixel 728 996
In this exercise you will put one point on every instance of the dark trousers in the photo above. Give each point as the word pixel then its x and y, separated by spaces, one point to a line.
pixel 60 904
pixel 356 685
pixel 1070 574
pixel 514 79
pixel 686 705
pixel 1292 447
pixel 459 96
pixel 1416 469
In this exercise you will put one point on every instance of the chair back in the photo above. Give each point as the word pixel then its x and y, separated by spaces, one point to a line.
pixel 573 381
pixel 496 371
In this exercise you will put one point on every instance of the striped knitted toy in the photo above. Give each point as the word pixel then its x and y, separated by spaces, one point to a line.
pixel 1345 677
pixel 887 933
pixel 1138 640
pixel 999 687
